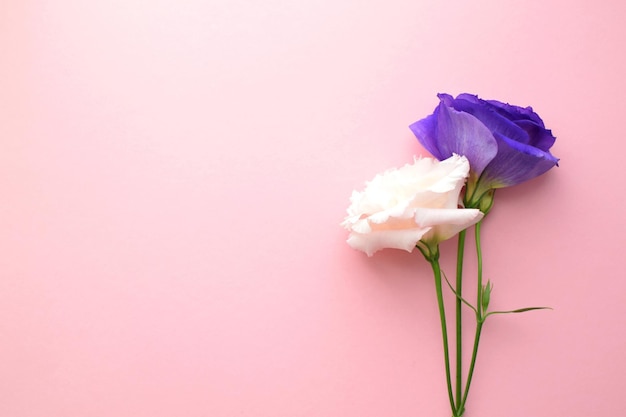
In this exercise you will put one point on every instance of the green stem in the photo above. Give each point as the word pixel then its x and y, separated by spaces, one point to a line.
pixel 479 327
pixel 480 316
pixel 479 261
pixel 434 262
pixel 459 321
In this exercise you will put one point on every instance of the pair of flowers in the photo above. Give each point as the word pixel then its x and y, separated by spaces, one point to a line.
pixel 479 146
pixel 487 143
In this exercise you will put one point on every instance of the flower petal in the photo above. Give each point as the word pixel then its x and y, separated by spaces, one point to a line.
pixel 426 132
pixel 464 134
pixel 541 137
pixel 396 239
pixel 516 112
pixel 524 117
pixel 516 162
pixel 495 122
pixel 445 222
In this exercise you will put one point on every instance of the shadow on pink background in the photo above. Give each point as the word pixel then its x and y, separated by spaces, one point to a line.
pixel 173 175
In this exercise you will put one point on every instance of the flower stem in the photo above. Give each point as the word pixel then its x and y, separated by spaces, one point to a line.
pixel 480 314
pixel 479 327
pixel 479 274
pixel 434 262
pixel 459 321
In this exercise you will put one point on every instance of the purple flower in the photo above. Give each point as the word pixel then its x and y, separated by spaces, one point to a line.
pixel 505 144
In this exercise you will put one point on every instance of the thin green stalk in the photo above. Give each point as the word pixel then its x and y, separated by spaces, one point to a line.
pixel 459 321
pixel 479 262
pixel 479 327
pixel 480 316
pixel 434 262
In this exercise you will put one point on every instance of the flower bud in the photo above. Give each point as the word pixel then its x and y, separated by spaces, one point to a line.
pixel 486 295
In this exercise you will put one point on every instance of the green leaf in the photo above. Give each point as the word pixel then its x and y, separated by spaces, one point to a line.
pixel 459 295
pixel 519 310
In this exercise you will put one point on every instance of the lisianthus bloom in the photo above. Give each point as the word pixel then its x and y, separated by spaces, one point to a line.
pixel 417 203
pixel 505 144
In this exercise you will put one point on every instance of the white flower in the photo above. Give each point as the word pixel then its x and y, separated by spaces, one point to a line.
pixel 400 207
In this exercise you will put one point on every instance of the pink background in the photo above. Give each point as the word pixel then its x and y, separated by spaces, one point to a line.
pixel 173 175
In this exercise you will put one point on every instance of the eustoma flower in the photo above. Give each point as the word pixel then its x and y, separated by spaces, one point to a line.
pixel 505 144
pixel 417 203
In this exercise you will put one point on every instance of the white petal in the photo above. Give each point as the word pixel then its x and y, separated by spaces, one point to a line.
pixel 396 239
pixel 446 223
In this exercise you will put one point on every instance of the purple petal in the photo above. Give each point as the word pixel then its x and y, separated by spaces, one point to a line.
pixel 540 137
pixel 464 134
pixel 515 163
pixel 426 132
pixel 516 112
pixel 447 99
pixel 472 98
pixel 496 122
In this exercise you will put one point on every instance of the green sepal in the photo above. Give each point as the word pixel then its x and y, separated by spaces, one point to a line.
pixel 478 197
pixel 429 250
pixel 486 202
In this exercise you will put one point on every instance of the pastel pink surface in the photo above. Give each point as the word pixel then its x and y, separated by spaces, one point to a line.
pixel 173 178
